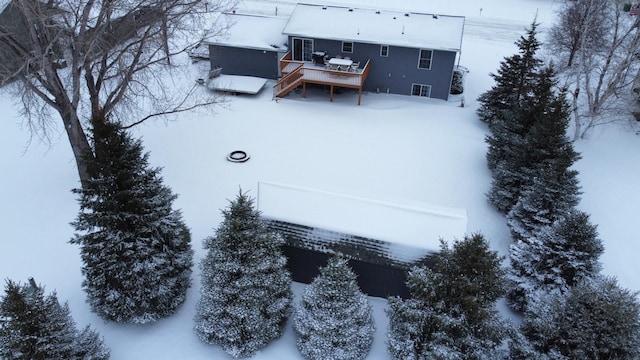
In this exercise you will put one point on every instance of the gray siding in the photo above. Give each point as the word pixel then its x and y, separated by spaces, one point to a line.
pixel 239 61
pixel 399 70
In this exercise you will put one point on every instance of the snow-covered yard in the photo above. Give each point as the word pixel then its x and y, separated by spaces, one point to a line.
pixel 395 149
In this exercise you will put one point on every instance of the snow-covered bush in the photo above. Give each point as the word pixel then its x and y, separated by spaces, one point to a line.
pixel 555 259
pixel 246 288
pixel 457 82
pixel 596 319
pixel 35 326
pixel 334 320
pixel 451 312
pixel 135 248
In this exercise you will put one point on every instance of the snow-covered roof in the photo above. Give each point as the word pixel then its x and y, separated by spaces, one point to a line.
pixel 406 224
pixel 251 32
pixel 407 29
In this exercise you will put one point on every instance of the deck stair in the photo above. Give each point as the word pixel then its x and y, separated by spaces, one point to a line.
pixel 289 82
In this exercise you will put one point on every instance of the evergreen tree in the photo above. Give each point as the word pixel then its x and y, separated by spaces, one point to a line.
pixel 89 346
pixel 595 320
pixel 513 79
pixel 246 287
pixel 135 248
pixel 507 107
pixel 549 187
pixel 451 312
pixel 528 139
pixel 334 320
pixel 35 326
pixel 557 258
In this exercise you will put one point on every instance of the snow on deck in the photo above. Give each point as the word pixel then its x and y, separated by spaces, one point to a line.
pixel 414 224
pixel 407 29
pixel 237 84
pixel 252 32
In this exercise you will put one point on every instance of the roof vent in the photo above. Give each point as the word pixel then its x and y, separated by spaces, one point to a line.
pixel 435 16
pixel 378 12
pixel 406 14
pixel 350 10
pixel 324 8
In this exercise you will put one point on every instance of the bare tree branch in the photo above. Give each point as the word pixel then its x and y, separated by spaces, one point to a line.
pixel 82 58
pixel 600 49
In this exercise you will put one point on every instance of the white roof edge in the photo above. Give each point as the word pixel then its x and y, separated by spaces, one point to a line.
pixel 405 222
pixel 458 49
pixel 430 30
pixel 215 43
pixel 238 36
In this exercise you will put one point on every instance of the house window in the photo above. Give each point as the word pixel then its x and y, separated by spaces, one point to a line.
pixel 421 90
pixel 302 49
pixel 347 47
pixel 384 50
pixel 424 62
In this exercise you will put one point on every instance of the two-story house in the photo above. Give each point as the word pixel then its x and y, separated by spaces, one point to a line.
pixel 371 50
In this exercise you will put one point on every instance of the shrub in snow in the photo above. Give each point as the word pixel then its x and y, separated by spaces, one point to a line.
pixel 135 248
pixel 334 320
pixel 35 326
pixel 596 319
pixel 555 259
pixel 246 288
pixel 457 82
pixel 451 312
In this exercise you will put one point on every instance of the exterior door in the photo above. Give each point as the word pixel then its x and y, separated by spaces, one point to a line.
pixel 302 49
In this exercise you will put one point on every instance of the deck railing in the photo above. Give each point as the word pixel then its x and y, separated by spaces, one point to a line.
pixel 292 79
pixel 296 72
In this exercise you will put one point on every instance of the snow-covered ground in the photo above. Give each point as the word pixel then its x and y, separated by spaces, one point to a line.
pixel 396 149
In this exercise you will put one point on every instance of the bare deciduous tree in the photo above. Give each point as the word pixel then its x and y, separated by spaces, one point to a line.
pixel 81 58
pixel 579 24
pixel 601 68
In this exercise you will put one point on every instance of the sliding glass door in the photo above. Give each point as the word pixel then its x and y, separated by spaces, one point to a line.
pixel 302 49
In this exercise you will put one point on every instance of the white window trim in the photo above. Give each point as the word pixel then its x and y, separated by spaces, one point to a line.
pixel 382 47
pixel 347 42
pixel 303 40
pixel 420 58
pixel 421 86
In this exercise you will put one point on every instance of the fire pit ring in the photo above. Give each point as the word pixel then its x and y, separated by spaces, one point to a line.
pixel 238 156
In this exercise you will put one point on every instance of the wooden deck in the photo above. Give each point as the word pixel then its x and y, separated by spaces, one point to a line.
pixel 299 73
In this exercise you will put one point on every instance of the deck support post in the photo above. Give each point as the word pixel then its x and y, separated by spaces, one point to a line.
pixel 304 89
pixel 359 94
pixel 331 93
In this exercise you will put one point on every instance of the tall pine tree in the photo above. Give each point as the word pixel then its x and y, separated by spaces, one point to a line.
pixel 135 248
pixel 513 80
pixel 451 312
pixel 504 107
pixel 36 326
pixel 549 188
pixel 334 320
pixel 246 287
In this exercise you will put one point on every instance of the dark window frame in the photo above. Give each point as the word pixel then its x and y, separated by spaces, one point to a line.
pixel 384 50
pixel 347 47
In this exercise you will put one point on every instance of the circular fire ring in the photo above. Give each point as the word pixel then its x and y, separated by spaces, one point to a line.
pixel 238 156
